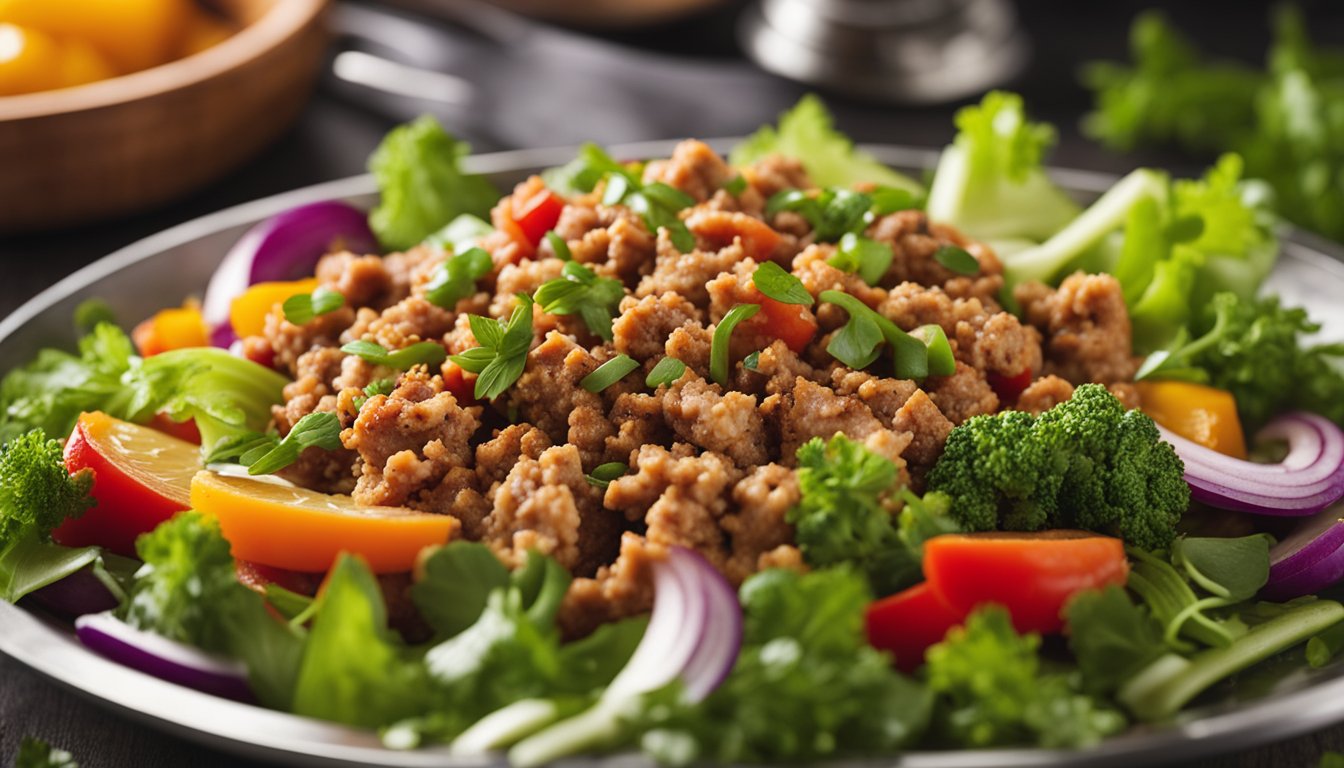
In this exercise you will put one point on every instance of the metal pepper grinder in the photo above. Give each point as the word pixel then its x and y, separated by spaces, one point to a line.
pixel 907 51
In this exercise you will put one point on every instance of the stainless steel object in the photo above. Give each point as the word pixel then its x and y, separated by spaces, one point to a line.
pixel 158 271
pixel 909 51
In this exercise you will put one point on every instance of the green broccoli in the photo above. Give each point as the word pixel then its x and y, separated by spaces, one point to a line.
pixel 1086 463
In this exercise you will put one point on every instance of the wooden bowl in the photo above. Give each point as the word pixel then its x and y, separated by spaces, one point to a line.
pixel 124 145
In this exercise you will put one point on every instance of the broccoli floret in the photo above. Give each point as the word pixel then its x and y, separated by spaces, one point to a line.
pixel 1086 463
pixel 36 492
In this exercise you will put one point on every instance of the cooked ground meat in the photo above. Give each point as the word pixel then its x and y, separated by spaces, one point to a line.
pixel 710 465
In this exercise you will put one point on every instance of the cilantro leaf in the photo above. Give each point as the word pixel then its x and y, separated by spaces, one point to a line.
pixel 656 203
pixel 320 430
pixel 771 280
pixel 502 354
pixel 580 291
pixel 421 184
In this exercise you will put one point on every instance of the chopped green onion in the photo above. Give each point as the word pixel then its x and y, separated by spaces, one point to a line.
pixel 322 430
pixel 609 373
pixel 736 185
pixel 941 362
pixel 301 308
pixel 870 259
pixel 723 334
pixel 668 370
pixel 771 280
pixel 559 245
pixel 667 196
pixel 579 291
pixel 618 186
pixel 424 353
pixel 603 474
pixel 378 387
pixel 957 259
pixel 888 200
pixel 793 200
pixel 455 279
pixel 460 234
pixel 858 343
pixel 752 362
pixel 502 356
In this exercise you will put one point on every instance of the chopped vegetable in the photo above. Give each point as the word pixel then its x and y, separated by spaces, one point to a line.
pixel 455 279
pixel 584 172
pixel 559 246
pixel 1308 559
pixel 302 308
pixel 833 213
pixel 942 361
pixel 166 659
pixel 867 258
pixel 656 203
pixel 957 259
pixel 37 494
pixel 909 622
pixel 603 474
pixel 772 281
pixel 991 184
pixel 720 345
pixel 609 373
pixel 421 353
pixel 177 328
pixel 668 370
pixel 502 354
pixel 1204 415
pixel 1086 463
pixel 859 343
pixel 248 311
pixel 422 185
pixel 806 133
pixel 302 530
pixel 315 430
pixel 579 291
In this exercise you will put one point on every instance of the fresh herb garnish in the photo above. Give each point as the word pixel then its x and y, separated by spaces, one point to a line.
pixel 723 333
pixel 859 342
pixel 957 259
pixel 559 245
pixel 322 430
pixel 832 212
pixel 868 258
pixel 609 373
pixel 580 291
pixel 752 362
pixel 771 280
pixel 656 203
pixel 582 174
pixel 668 370
pixel 301 308
pixel 422 353
pixel 378 387
pixel 736 185
pixel 603 474
pixel 889 200
pixel 502 354
pixel 455 279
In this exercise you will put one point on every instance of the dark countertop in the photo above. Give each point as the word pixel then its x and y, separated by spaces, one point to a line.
pixel 335 134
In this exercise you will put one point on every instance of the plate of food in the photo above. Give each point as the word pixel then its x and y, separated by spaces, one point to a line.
pixel 662 456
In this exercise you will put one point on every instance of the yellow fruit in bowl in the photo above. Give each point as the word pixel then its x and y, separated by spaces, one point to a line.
pixel 29 61
pixel 133 34
pixel 82 63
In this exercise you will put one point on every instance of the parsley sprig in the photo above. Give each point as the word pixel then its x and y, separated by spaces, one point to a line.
pixel 859 343
pixel 502 354
pixel 301 308
pixel 580 291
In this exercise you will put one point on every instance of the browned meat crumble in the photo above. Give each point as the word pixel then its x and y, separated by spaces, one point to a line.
pixel 710 467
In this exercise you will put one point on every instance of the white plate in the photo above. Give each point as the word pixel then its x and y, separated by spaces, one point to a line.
pixel 159 271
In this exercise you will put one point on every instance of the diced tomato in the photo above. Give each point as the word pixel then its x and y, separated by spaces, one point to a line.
pixel 182 430
pixel 141 477
pixel 759 240
pixel 538 214
pixel 793 324
pixel 501 216
pixel 1009 388
pixel 1032 575
pixel 907 623
pixel 455 380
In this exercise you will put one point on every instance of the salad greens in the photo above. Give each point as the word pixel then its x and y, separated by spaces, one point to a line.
pixel 421 183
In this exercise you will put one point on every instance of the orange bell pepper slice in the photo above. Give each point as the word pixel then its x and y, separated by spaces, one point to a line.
pixel 171 329
pixel 1199 413
pixel 248 312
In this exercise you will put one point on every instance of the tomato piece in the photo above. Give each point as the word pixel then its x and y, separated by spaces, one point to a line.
pixel 793 324
pixel 501 216
pixel 538 215
pixel 1199 413
pixel 141 477
pixel 759 239
pixel 908 622
pixel 301 530
pixel 182 430
pixel 1009 388
pixel 455 380
pixel 1032 575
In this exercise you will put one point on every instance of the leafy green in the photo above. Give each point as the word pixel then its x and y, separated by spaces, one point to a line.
pixel 603 474
pixel 583 173
pixel 806 686
pixel 773 281
pixel 859 342
pixel 456 580
pixel 301 308
pixel 869 259
pixel 502 354
pixel 1257 350
pixel 1111 638
pixel 455 279
pixel 315 430
pixel 721 344
pixel 656 203
pixel 848 514
pixel 990 690
pixel 187 591
pixel 35 753
pixel 37 494
pixel 1086 463
pixel 579 291
pixel 991 182
pixel 668 370
pixel 806 134
pixel 956 259
pixel 421 184
pixel 833 212
pixel 461 234
pixel 420 353
pixel 1185 591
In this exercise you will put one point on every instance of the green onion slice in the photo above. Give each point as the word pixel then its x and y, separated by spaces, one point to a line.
pixel 723 334
pixel 609 373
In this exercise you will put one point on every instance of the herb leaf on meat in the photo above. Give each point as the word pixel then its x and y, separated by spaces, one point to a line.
pixel 957 259
pixel 579 291
pixel 858 343
pixel 320 430
pixel 609 373
pixel 721 343
pixel 302 308
pixel 421 353
pixel 773 281
pixel 668 370
pixel 455 278
pixel 656 203
pixel 502 354
pixel 603 474
pixel 559 246
pixel 867 258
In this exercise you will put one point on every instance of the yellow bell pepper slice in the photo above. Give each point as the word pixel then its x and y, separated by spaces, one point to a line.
pixel 1199 413
pixel 248 312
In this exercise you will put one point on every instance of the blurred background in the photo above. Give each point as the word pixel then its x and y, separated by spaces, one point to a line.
pixel 263 96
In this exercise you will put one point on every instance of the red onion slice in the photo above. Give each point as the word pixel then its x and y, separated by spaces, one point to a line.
pixel 163 658
pixel 78 594
pixel 1308 559
pixel 717 651
pixel 1309 479
pixel 286 246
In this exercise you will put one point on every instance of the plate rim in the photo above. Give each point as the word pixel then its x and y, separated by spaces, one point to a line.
pixel 39 643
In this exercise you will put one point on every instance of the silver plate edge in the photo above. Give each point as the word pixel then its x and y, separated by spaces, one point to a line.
pixel 42 645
